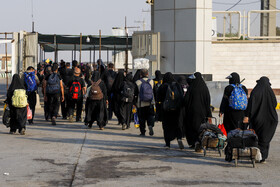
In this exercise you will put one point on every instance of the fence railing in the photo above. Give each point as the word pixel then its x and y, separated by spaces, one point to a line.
pixel 253 25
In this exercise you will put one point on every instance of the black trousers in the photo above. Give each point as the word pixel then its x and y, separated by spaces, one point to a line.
pixel 110 107
pixel 95 111
pixel 18 118
pixel 72 104
pixel 65 105
pixel 125 113
pixel 32 100
pixel 53 102
pixel 146 114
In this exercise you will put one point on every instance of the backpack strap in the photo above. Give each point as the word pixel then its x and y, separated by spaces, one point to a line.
pixel 97 83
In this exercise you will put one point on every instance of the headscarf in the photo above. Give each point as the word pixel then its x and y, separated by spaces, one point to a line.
pixel 158 75
pixel 168 78
pixel 118 82
pixel 234 78
pixel 15 84
pixel 182 80
pixel 95 76
pixel 137 76
pixel 129 77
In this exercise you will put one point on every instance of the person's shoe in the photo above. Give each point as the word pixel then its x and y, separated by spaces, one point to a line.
pixel 12 132
pixel 123 126
pixel 71 119
pixel 101 128
pixel 90 125
pixel 197 147
pixel 127 127
pixel 142 134
pixel 263 162
pixel 180 143
pixel 167 147
pixel 53 121
pixel 86 124
pixel 151 131
pixel 22 132
pixel 191 146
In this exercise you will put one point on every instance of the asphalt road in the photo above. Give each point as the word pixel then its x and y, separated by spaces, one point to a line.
pixel 69 154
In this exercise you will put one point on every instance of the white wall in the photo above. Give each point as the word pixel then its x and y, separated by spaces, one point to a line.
pixel 250 60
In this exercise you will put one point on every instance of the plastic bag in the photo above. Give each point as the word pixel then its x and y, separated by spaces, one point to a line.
pixel 6 116
pixel 222 127
pixel 29 113
pixel 136 119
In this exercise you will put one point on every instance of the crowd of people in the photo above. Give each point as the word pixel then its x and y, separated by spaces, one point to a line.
pixel 182 103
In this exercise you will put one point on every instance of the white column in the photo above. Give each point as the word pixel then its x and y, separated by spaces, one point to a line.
pixel 185 27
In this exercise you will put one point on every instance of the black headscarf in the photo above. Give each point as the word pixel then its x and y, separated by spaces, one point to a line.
pixel 168 78
pixel 182 80
pixel 118 82
pixel 95 76
pixel 235 78
pixel 129 77
pixel 137 76
pixel 158 75
pixel 15 84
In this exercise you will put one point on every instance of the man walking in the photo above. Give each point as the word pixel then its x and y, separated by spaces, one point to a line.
pixel 145 102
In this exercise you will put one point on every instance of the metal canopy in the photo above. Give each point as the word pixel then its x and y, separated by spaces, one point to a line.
pixel 51 42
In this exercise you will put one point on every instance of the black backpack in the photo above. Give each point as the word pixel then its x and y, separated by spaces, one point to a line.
pixel 173 98
pixel 53 84
pixel 127 93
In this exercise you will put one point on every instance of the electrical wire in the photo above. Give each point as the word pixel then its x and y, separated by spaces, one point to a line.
pixel 234 5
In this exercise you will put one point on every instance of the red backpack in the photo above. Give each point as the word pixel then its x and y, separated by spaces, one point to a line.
pixel 75 90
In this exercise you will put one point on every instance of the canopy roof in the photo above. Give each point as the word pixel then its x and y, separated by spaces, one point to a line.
pixel 72 42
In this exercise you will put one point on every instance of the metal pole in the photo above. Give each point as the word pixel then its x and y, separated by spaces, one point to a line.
pixel 114 57
pixel 244 22
pixel 75 52
pixel 126 51
pixel 55 51
pixel 90 55
pixel 94 54
pixel 6 49
pixel 107 56
pixel 81 43
pixel 224 34
pixel 99 44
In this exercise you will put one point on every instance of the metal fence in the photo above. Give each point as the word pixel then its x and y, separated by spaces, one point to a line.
pixel 253 25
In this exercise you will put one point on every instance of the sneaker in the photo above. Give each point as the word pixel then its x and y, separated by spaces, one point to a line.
pixel 151 131
pixel 53 121
pixel 71 119
pixel 142 134
pixel 263 162
pixel 180 143
pixel 22 132
pixel 101 128
pixel 123 126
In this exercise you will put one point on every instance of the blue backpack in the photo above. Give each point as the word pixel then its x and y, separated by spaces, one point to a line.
pixel 146 91
pixel 30 81
pixel 238 98
pixel 53 84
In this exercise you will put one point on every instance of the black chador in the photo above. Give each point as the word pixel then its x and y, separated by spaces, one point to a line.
pixel 232 118
pixel 262 114
pixel 197 103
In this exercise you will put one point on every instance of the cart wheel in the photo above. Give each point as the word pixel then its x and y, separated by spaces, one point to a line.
pixel 254 163
pixel 204 151
pixel 236 162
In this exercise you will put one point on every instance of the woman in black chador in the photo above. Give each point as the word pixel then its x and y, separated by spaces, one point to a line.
pixel 96 108
pixel 170 118
pixel 116 90
pixel 197 105
pixel 262 114
pixel 157 83
pixel 126 103
pixel 18 115
pixel 232 118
